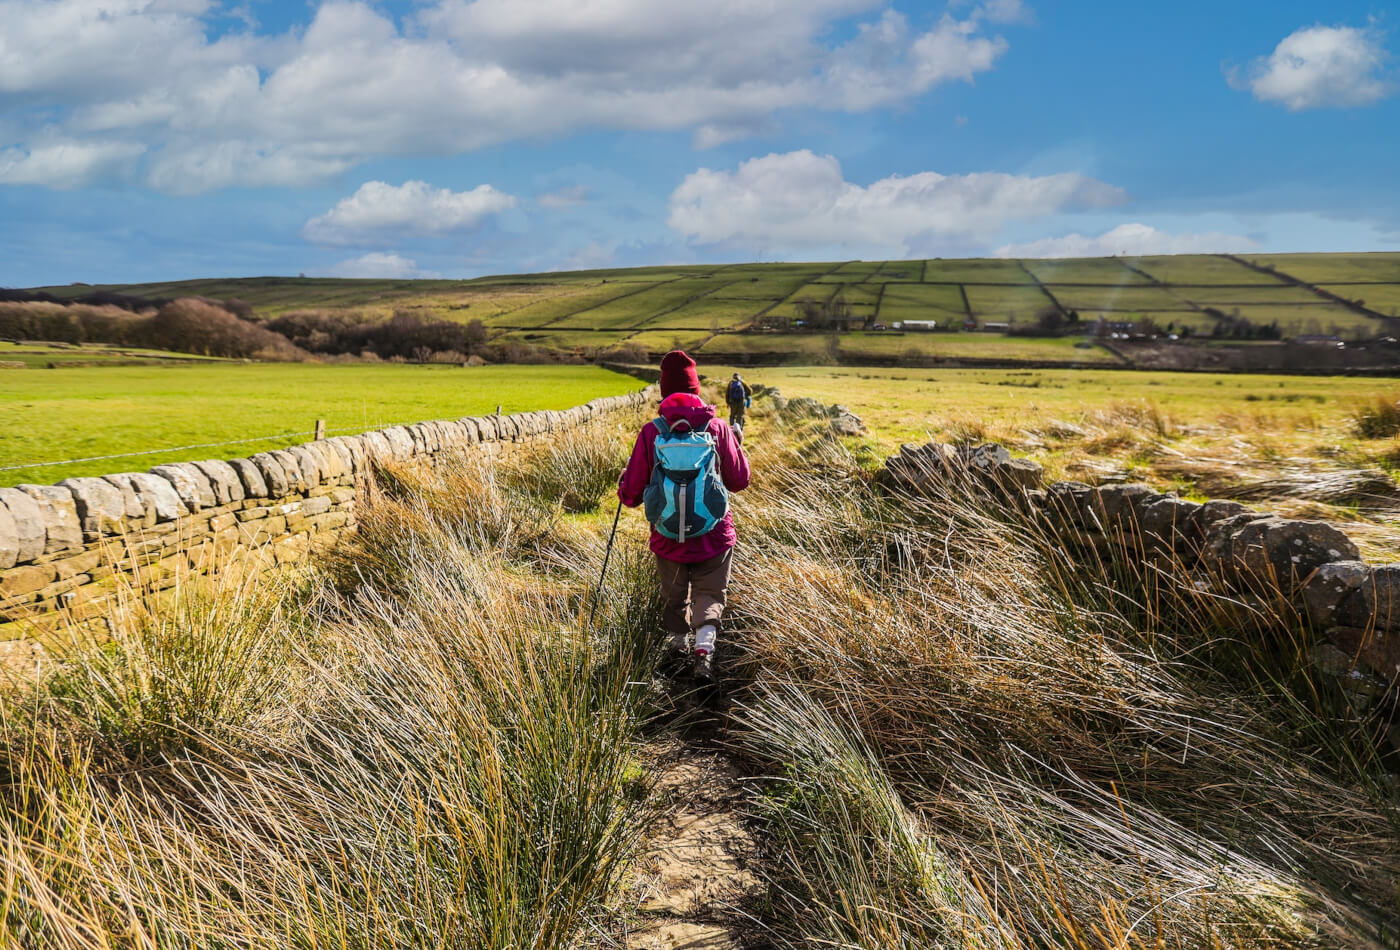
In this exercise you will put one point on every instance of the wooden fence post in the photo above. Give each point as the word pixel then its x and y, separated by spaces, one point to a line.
pixel 320 429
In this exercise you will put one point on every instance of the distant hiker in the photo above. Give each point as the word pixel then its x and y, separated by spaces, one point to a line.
pixel 683 467
pixel 737 395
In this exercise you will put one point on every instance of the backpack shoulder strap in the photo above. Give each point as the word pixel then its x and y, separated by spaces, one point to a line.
pixel 662 426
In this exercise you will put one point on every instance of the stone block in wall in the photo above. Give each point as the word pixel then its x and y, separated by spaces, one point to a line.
pixel 400 442
pixel 101 507
pixel 349 463
pixel 1376 651
pixel 377 448
pixel 273 474
pixel 251 477
pixel 228 487
pixel 135 510
pixel 1115 507
pixel 316 506
pixel 1285 552
pixel 1375 604
pixel 1169 526
pixel 62 530
pixel 1214 512
pixel 332 466
pixel 1070 504
pixel 488 429
pixel 470 432
pixel 190 484
pixel 9 540
pixel 30 535
pixel 309 463
pixel 297 480
pixel 26 579
pixel 1330 585
pixel 156 496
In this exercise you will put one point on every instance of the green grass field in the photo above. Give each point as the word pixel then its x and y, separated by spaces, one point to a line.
pixel 53 415
pixel 43 356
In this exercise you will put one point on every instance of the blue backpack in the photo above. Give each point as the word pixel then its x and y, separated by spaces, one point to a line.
pixel 686 496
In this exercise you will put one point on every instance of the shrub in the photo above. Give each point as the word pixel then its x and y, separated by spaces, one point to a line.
pixel 1378 419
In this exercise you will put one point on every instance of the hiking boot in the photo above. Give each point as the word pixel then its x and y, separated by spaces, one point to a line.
pixel 673 660
pixel 704 669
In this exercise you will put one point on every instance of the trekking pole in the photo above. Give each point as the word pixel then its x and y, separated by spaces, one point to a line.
pixel 607 554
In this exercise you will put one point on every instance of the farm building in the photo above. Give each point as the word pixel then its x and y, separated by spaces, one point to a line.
pixel 915 325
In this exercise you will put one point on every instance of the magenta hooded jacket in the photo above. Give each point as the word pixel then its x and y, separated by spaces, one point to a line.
pixel 733 470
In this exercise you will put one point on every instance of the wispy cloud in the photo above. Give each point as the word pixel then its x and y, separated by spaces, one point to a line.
pixel 1129 239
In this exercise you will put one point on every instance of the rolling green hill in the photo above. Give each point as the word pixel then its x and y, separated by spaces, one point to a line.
pixel 715 308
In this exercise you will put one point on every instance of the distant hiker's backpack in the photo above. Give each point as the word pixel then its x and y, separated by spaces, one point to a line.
pixel 736 391
pixel 686 496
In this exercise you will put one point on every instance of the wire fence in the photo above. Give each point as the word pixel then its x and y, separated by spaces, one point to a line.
pixel 206 445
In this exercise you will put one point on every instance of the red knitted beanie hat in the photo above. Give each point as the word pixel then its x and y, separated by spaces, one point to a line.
pixel 678 374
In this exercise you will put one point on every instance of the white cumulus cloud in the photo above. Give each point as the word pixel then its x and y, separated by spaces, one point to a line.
pixel 380 212
pixel 384 265
pixel 1320 66
pixel 1131 240
pixel 802 200
pixel 244 108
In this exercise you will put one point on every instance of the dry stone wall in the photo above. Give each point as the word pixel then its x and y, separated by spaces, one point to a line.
pixel 62 546
pixel 1301 573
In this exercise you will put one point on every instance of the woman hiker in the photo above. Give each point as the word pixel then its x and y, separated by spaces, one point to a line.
pixel 683 466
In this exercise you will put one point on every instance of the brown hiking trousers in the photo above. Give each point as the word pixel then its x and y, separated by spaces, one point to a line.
pixel 702 586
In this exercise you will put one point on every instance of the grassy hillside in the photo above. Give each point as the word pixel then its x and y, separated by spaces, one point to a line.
pixel 1348 295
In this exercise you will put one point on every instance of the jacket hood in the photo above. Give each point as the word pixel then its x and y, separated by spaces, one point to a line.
pixel 699 417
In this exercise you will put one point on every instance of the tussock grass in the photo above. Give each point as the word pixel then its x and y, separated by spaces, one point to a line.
pixel 1377 419
pixel 967 738
pixel 429 752
pixel 976 742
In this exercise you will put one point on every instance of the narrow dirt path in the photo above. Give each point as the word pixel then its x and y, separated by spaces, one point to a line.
pixel 699 876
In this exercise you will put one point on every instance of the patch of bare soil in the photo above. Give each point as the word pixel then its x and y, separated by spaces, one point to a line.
pixel 698 874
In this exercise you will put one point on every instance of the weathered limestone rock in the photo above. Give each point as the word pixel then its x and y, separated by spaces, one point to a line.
pixel 1375 604
pixel 1375 650
pixel 62 530
pixel 254 485
pixel 1169 524
pixel 1286 551
pixel 297 480
pixel 349 462
pixel 377 447
pixel 331 466
pixel 272 473
pixel 1070 503
pixel 101 507
pixel 310 463
pixel 471 432
pixel 1213 512
pixel 400 442
pixel 1115 506
pixel 190 484
pixel 228 487
pixel 9 540
pixel 1329 586
pixel 135 511
pixel 29 523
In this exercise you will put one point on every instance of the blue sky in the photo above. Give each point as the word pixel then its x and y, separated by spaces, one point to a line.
pixel 163 139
